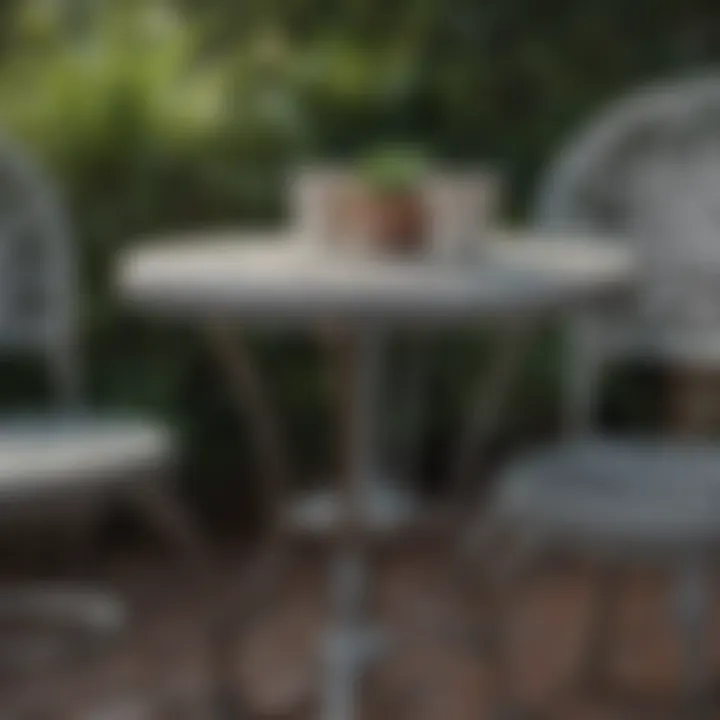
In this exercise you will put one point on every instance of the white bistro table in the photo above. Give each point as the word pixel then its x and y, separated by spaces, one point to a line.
pixel 278 279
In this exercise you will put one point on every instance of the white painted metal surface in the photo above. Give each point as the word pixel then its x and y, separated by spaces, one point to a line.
pixel 647 167
pixel 75 453
pixel 270 276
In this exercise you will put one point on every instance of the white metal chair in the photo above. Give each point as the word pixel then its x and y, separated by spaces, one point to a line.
pixel 68 457
pixel 648 169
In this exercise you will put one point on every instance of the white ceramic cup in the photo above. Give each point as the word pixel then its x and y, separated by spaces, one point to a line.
pixel 462 205
pixel 316 192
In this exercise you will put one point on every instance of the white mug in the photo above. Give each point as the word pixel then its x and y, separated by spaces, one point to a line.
pixel 462 206
pixel 321 204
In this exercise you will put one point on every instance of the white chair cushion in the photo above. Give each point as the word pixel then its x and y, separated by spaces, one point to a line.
pixel 58 453
pixel 625 494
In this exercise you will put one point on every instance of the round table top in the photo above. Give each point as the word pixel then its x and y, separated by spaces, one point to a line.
pixel 266 275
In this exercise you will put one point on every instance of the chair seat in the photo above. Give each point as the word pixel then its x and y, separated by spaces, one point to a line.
pixel 385 509
pixel 62 453
pixel 630 495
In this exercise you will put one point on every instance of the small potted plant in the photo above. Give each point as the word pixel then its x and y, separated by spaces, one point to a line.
pixel 393 215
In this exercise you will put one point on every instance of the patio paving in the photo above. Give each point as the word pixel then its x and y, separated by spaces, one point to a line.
pixel 183 645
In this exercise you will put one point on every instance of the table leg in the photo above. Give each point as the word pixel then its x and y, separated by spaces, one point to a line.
pixel 254 405
pixel 413 399
pixel 487 404
pixel 350 643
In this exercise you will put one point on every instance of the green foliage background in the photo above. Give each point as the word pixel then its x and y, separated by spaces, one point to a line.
pixel 155 116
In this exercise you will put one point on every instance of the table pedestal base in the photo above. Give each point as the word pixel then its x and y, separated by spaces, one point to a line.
pixel 347 652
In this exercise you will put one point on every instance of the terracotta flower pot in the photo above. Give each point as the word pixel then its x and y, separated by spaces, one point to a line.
pixel 396 222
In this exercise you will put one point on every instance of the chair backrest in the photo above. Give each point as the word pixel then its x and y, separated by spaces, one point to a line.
pixel 648 169
pixel 37 283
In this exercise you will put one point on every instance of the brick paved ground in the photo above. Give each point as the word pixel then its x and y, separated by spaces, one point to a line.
pixel 166 665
